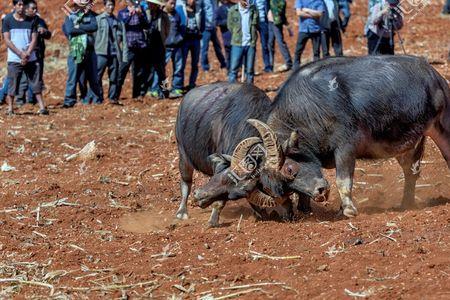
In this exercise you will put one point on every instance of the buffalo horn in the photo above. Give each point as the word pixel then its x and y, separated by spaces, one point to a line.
pixel 273 159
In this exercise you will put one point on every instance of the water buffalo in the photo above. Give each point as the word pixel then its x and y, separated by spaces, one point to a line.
pixel 213 137
pixel 332 112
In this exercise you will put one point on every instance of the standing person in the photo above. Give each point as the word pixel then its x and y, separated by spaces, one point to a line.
pixel 43 34
pixel 446 8
pixel 174 52
pixel 277 21
pixel 192 24
pixel 111 49
pixel 263 30
pixel 79 27
pixel 222 15
pixel 383 22
pixel 242 22
pixel 210 34
pixel 309 13
pixel 136 27
pixel 20 35
pixel 159 27
pixel 331 29
pixel 344 8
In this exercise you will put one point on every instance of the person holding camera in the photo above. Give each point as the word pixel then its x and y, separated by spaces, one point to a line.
pixel 384 21
pixel 136 28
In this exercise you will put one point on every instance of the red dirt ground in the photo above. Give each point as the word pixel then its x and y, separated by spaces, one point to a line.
pixel 114 235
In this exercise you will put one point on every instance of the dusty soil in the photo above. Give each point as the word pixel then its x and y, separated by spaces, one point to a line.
pixel 104 227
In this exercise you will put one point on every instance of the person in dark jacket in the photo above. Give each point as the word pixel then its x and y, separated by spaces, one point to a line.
pixel 159 27
pixel 174 53
pixel 111 48
pixel 222 15
pixel 192 24
pixel 331 29
pixel 43 34
pixel 79 27
pixel 136 27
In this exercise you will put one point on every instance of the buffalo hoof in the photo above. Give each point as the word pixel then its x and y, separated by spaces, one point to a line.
pixel 213 224
pixel 182 216
pixel 350 211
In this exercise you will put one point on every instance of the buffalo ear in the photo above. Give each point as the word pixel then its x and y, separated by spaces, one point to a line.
pixel 219 162
pixel 292 142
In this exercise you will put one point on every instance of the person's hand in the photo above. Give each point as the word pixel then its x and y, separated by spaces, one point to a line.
pixel 41 30
pixel 132 10
pixel 386 10
pixel 138 10
pixel 24 61
pixel 24 55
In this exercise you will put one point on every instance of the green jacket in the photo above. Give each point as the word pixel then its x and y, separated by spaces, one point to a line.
pixel 278 8
pixel 101 37
pixel 235 27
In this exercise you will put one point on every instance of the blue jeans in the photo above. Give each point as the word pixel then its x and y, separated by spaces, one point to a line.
pixel 242 55
pixel 276 34
pixel 4 90
pixel 344 7
pixel 75 71
pixel 263 29
pixel 211 35
pixel 176 55
pixel 191 46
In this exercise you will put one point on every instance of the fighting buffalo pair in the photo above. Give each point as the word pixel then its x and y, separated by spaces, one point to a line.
pixel 326 115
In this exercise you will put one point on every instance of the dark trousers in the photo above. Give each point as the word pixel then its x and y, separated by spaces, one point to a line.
pixel 112 63
pixel 228 55
pixel 276 34
pixel 192 46
pixel 32 73
pixel 377 45
pixel 211 35
pixel 263 29
pixel 446 9
pixel 303 38
pixel 136 60
pixel 332 36
pixel 176 56
pixel 87 69
pixel 155 67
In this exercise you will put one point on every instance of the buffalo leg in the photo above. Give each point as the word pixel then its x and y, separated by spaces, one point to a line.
pixel 186 172
pixel 441 138
pixel 259 212
pixel 345 167
pixel 410 163
pixel 217 208
pixel 303 203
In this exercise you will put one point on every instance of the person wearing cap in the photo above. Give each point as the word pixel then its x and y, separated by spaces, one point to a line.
pixel 210 35
pixel 383 21
pixel 79 28
pixel 242 22
pixel 158 30
pixel 192 25
pixel 309 13
pixel 136 25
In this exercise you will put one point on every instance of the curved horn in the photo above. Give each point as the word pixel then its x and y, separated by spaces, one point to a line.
pixel 273 159
pixel 240 152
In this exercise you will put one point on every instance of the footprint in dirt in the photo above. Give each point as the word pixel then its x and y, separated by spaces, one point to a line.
pixel 160 220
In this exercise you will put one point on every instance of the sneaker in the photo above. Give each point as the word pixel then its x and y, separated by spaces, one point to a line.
pixel 283 68
pixel 9 112
pixel 43 112
pixel 177 93
pixel 156 94
pixel 67 105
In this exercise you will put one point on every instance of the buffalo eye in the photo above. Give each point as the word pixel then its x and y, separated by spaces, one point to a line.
pixel 290 170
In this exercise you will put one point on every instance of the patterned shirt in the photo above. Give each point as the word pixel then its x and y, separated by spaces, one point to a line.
pixel 134 26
